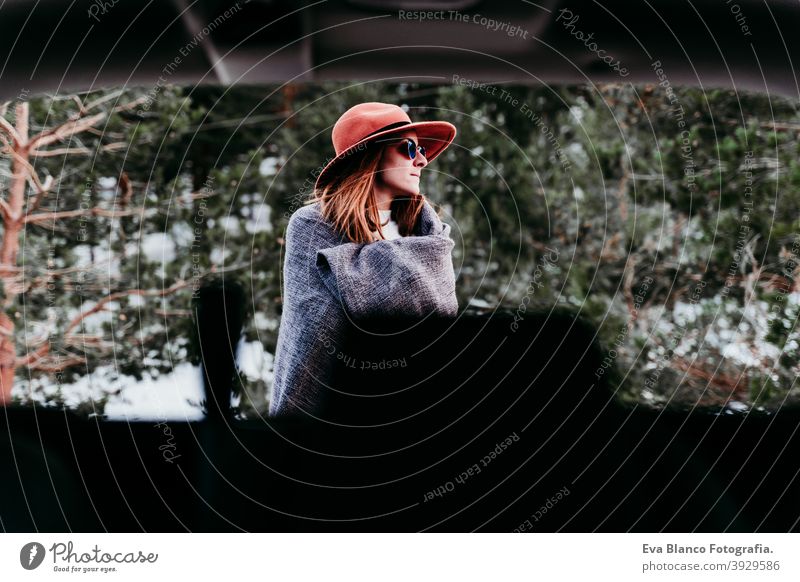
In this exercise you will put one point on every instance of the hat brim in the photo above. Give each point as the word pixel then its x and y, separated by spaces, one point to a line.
pixel 434 136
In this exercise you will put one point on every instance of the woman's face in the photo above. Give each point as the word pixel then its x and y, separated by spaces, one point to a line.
pixel 397 174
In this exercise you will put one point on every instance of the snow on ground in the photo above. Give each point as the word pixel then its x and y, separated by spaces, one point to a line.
pixel 173 396
pixel 254 362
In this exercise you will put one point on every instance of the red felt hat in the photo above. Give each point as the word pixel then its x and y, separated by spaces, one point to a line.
pixel 366 122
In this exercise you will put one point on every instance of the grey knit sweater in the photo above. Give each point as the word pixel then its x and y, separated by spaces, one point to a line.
pixel 328 282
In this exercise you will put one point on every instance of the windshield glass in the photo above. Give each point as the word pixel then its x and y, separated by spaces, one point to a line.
pixel 664 216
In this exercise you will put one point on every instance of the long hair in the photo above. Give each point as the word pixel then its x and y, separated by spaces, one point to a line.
pixel 348 202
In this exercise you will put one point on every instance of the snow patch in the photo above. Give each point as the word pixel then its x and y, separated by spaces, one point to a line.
pixel 158 247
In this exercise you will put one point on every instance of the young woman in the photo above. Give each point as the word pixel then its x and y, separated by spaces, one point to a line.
pixel 366 244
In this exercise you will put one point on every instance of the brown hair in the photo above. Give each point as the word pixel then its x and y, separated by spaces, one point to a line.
pixel 348 202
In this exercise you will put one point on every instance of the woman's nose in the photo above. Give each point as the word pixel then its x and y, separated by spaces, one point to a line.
pixel 420 161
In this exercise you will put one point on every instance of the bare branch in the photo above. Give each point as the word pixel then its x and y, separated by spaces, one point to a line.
pixel 126 189
pixel 715 378
pixel 116 146
pixel 132 105
pixel 622 195
pixel 60 152
pixel 775 126
pixel 11 131
pixel 41 190
pixel 100 305
pixel 6 144
pixel 50 367
pixel 5 330
pixel 173 312
pixel 629 271
pixel 104 99
pixel 53 216
pixel 81 109
pixel 65 130
pixel 84 151
pixel 23 282
pixel 5 209
pixel 109 134
pixel 33 178
pixel 86 341
pixel 10 270
pixel 227 269
pixel 36 358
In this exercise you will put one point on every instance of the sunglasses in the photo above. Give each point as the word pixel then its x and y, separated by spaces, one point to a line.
pixel 412 149
pixel 409 147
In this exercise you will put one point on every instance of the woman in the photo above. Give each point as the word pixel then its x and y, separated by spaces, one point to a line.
pixel 366 244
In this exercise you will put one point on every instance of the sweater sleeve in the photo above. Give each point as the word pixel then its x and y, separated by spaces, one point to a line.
pixel 409 276
pixel 311 323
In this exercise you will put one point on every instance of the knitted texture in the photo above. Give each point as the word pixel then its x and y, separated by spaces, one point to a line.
pixel 329 282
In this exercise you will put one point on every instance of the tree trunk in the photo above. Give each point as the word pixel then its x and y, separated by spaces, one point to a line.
pixel 9 249
pixel 8 356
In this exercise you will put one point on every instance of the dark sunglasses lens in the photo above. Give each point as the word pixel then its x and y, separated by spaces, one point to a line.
pixel 423 151
pixel 412 149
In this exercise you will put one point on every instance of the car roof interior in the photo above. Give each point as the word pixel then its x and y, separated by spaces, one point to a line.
pixel 64 46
